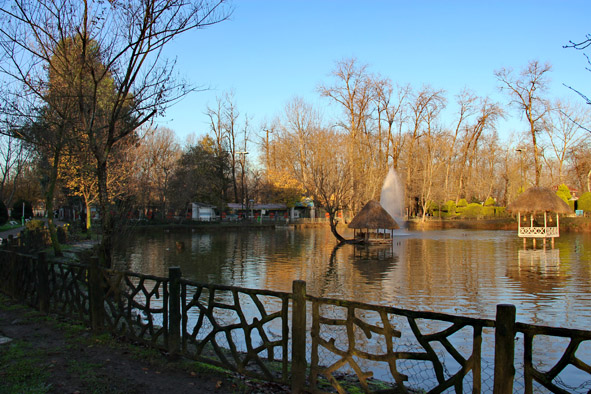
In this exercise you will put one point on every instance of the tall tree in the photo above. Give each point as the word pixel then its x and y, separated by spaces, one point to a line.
pixel 424 106
pixel 526 92
pixel 128 39
pixel 354 90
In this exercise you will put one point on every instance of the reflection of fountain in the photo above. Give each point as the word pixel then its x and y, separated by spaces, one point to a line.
pixel 392 197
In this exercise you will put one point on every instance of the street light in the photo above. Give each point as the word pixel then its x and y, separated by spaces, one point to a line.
pixel 243 162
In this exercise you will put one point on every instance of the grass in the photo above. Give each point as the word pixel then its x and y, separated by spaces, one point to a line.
pixel 22 369
pixel 7 226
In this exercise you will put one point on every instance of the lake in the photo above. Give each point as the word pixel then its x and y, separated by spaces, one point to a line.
pixel 463 272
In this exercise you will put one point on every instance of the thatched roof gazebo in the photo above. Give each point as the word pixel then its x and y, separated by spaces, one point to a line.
pixel 373 224
pixel 533 201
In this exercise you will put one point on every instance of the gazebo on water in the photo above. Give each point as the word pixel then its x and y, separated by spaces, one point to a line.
pixel 535 201
pixel 373 224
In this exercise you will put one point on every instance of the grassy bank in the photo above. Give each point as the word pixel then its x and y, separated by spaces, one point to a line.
pixel 50 354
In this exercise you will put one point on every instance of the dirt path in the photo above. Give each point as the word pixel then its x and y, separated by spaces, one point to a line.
pixel 58 356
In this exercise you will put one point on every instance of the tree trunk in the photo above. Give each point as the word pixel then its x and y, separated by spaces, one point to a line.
pixel 88 214
pixel 333 227
pixel 106 246
pixel 57 250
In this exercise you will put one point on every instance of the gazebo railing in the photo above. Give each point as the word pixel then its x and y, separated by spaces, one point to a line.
pixel 538 232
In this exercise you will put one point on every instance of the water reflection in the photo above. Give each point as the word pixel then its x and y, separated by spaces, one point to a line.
pixel 454 271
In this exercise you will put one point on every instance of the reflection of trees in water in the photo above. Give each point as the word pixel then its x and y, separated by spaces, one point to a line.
pixel 354 267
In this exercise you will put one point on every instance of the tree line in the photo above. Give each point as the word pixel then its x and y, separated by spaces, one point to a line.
pixel 83 84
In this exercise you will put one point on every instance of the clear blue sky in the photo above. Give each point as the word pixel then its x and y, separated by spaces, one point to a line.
pixel 270 51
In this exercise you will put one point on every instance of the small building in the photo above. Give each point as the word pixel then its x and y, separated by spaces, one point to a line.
pixel 266 212
pixel 202 212
pixel 373 224
pixel 538 202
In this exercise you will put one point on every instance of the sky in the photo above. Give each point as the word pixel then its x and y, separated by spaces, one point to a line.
pixel 272 51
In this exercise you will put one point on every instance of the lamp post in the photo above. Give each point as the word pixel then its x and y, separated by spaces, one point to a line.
pixel 521 151
pixel 243 163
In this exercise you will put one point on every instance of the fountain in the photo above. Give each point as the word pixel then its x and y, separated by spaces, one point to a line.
pixel 392 196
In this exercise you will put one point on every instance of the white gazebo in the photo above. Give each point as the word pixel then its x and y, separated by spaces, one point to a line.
pixel 536 201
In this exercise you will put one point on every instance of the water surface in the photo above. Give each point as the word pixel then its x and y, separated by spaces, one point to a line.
pixel 465 272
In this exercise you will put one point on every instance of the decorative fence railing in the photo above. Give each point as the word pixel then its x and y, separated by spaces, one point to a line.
pixel 314 344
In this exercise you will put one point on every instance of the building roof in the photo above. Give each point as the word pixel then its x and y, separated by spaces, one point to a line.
pixel 538 199
pixel 256 207
pixel 373 216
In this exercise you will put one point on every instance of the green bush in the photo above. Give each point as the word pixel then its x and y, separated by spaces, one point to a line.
pixel 3 213
pixel 461 206
pixel 584 202
pixel 489 211
pixel 489 202
pixel 448 209
pixel 564 193
pixel 473 210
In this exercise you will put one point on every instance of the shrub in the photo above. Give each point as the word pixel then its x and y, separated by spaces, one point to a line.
pixel 584 202
pixel 564 193
pixel 473 210
pixel 461 206
pixel 489 202
pixel 489 210
pixel 448 209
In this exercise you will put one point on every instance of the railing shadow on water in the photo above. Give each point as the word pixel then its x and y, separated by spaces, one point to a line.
pixel 315 344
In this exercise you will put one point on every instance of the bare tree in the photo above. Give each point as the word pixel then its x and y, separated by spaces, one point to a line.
pixel 224 123
pixel 155 159
pixel 393 113
pixel 564 127
pixel 526 91
pixel 424 106
pixel 354 90
pixel 581 46
pixel 465 101
pixel 488 114
pixel 13 157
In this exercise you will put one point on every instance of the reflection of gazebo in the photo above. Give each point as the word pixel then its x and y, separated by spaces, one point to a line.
pixel 373 224
pixel 536 200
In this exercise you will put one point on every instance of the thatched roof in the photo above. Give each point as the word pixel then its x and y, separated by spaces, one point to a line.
pixel 373 216
pixel 538 199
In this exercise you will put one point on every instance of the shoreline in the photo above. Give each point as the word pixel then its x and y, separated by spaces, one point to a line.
pixel 567 224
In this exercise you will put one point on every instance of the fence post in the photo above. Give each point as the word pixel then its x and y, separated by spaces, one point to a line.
pixel 504 349
pixel 42 283
pixel 13 280
pixel 298 336
pixel 97 307
pixel 174 311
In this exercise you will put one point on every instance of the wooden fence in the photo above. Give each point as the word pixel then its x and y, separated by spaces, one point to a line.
pixel 311 343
